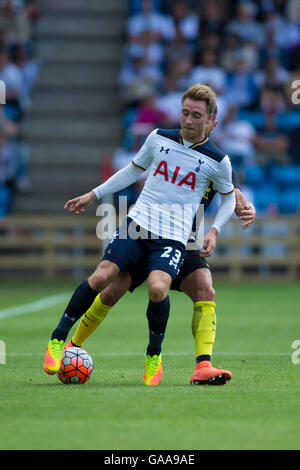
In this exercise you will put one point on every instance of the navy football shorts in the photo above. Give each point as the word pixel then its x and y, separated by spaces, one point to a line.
pixel 130 254
pixel 192 261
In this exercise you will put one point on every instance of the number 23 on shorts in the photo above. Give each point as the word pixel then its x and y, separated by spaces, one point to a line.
pixel 175 258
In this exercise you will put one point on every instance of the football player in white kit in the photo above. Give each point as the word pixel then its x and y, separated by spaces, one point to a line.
pixel 181 165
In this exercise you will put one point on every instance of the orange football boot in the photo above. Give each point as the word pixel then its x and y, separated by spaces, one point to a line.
pixel 206 374
pixel 69 345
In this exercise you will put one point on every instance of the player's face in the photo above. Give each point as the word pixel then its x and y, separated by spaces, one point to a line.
pixel 194 120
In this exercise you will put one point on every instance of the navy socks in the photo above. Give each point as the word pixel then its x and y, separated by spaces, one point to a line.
pixel 157 314
pixel 80 302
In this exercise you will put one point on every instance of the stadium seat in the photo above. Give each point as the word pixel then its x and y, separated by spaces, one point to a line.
pixel 286 176
pixel 288 120
pixel 266 196
pixel 5 200
pixel 290 201
pixel 254 176
pixel 256 118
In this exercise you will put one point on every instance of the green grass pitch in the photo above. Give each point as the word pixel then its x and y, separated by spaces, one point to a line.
pixel 258 409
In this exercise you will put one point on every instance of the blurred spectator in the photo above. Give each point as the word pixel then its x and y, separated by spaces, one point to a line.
pixel 250 52
pixel 293 10
pixel 18 70
pixel 212 19
pixel 9 167
pixel 33 13
pixel 241 89
pixel 208 71
pixel 185 20
pixel 272 74
pixel 230 51
pixel 178 50
pixel 13 79
pixel 247 50
pixel 286 33
pixel 8 127
pixel 237 138
pixel 136 6
pixel 170 101
pixel 29 68
pixel 272 145
pixel 137 76
pixel 245 25
pixel 149 116
pixel 15 22
pixel 15 152
pixel 151 50
pixel 271 50
pixel 180 71
pixel 160 26
pixel 272 100
pixel 212 41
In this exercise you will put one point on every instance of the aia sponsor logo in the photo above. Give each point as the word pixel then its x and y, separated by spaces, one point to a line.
pixel 172 177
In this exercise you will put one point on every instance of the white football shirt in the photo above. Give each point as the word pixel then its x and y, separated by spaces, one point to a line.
pixel 177 179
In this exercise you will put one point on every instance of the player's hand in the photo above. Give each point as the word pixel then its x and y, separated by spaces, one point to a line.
pixel 247 213
pixel 209 243
pixel 81 203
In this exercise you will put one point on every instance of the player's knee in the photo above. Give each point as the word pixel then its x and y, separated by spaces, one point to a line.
pixel 206 292
pixel 109 298
pixel 100 279
pixel 111 294
pixel 157 291
pixel 105 273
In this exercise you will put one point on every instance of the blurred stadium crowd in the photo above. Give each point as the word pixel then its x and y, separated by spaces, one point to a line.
pixel 249 52
pixel 18 70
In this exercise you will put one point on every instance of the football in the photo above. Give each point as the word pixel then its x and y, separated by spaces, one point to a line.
pixel 76 366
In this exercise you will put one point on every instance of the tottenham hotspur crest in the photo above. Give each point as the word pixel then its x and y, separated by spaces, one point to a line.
pixel 197 169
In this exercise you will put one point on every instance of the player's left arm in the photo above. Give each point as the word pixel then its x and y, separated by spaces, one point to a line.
pixel 244 209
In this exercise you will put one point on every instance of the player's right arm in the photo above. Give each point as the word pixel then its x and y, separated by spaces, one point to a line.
pixel 120 180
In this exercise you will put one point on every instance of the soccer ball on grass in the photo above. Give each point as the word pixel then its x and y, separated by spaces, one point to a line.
pixel 76 366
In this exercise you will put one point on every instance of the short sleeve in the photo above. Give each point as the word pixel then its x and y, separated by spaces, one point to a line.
pixel 144 157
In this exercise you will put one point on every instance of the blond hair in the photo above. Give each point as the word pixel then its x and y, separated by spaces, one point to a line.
pixel 200 92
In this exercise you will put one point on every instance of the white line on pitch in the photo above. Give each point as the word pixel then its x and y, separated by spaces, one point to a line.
pixel 234 353
pixel 35 306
